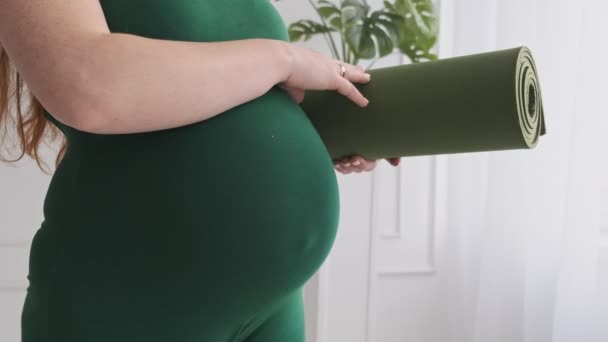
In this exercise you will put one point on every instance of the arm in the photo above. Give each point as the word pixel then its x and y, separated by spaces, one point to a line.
pixel 101 82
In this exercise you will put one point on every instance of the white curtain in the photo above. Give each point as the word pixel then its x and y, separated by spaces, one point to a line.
pixel 522 256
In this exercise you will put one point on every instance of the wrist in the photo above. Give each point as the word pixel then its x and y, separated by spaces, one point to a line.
pixel 284 56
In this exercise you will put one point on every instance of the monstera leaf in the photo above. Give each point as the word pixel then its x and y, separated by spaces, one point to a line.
pixel 410 25
pixel 368 34
pixel 419 32
pixel 331 13
pixel 305 29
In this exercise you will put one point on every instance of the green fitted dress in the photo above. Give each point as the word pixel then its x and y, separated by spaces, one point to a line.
pixel 201 233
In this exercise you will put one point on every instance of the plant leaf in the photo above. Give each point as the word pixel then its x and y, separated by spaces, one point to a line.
pixel 353 12
pixel 410 25
pixel 369 35
pixel 362 43
pixel 358 39
pixel 336 22
pixel 305 29
pixel 422 13
pixel 384 41
pixel 327 12
pixel 418 33
pixel 331 13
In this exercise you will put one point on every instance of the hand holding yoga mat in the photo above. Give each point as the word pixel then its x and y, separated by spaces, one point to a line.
pixel 483 102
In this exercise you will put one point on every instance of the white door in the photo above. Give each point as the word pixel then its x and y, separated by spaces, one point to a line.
pixel 384 261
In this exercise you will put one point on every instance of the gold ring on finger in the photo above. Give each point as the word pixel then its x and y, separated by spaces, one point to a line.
pixel 342 69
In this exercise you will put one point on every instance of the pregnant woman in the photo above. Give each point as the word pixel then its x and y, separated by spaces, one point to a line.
pixel 193 198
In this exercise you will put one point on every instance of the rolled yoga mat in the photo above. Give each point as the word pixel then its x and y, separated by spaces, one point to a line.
pixel 483 102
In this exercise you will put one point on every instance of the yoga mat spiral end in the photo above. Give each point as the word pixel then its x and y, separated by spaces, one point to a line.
pixel 528 98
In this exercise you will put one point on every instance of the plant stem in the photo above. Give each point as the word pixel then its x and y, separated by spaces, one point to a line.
pixel 346 54
pixel 331 39
pixel 342 40
pixel 354 60
pixel 343 47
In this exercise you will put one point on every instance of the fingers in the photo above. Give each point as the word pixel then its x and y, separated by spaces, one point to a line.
pixel 356 164
pixel 356 74
pixel 394 161
pixel 346 88
pixel 295 93
pixel 359 164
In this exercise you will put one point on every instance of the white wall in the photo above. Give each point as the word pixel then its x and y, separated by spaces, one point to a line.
pixel 22 191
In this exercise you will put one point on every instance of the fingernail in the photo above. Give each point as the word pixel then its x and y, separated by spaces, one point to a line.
pixel 356 163
pixel 346 164
pixel 337 166
pixel 368 76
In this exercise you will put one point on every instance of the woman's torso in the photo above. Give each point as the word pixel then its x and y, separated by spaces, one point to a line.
pixel 256 173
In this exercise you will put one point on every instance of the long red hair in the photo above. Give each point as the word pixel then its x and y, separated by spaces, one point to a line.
pixel 25 116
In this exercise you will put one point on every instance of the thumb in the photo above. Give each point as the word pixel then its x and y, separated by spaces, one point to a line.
pixel 296 94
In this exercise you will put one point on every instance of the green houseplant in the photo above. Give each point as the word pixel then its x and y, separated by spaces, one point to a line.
pixel 408 25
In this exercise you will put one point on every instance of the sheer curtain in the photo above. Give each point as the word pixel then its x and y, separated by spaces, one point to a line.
pixel 522 256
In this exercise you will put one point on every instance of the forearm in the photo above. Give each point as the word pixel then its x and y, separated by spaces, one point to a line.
pixel 134 84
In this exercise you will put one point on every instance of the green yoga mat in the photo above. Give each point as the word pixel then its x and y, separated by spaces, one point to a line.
pixel 483 102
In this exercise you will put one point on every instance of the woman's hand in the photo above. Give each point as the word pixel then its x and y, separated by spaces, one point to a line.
pixel 313 70
pixel 310 69
pixel 359 164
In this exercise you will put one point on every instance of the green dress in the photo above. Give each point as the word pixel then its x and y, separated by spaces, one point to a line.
pixel 201 233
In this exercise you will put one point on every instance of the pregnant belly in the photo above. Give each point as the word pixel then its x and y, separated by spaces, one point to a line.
pixel 252 189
